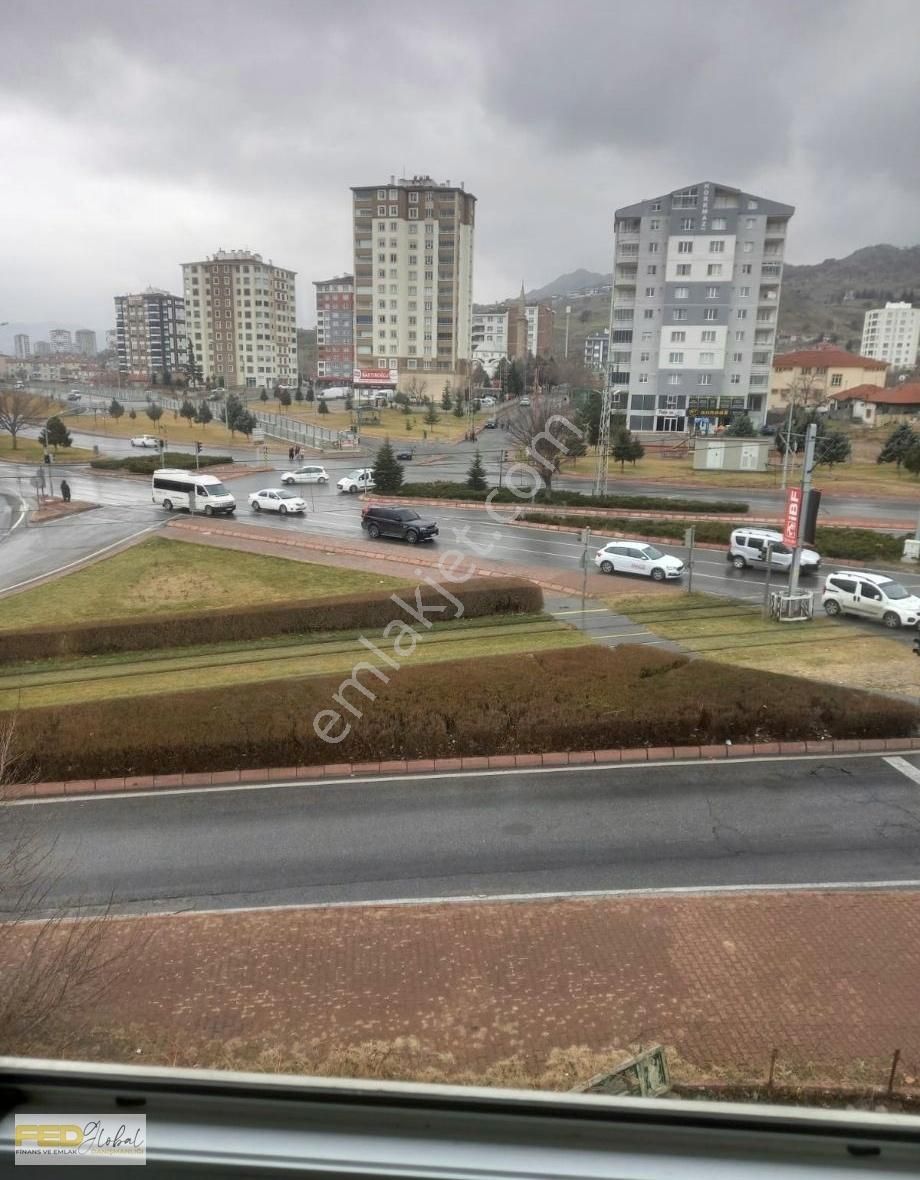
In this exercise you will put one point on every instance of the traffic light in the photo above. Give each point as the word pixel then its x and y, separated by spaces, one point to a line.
pixel 197 447
pixel 810 516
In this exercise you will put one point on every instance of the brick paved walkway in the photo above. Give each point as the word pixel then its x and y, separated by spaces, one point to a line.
pixel 823 977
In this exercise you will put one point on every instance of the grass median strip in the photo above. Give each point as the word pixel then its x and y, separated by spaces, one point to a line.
pixel 173 672
pixel 160 576
pixel 731 633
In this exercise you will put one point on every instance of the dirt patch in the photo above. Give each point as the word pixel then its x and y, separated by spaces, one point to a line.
pixel 55 509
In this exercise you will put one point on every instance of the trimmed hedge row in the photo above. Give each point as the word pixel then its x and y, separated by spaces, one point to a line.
pixel 838 543
pixel 445 490
pixel 147 464
pixel 589 698
pixel 479 596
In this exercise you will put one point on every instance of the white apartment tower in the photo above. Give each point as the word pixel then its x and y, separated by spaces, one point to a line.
pixel 696 285
pixel 22 345
pixel 413 267
pixel 892 334
pixel 240 317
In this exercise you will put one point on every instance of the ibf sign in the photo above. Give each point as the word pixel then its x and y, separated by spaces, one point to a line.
pixel 793 516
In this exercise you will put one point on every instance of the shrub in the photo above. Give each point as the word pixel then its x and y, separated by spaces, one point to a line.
pixel 147 464
pixel 589 698
pixel 480 596
pixel 839 543
pixel 445 490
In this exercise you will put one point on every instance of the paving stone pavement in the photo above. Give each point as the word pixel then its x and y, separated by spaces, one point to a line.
pixel 603 625
pixel 824 977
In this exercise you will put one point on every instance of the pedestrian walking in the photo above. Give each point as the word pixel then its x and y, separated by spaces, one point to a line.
pixel 65 491
pixel 297 451
pixel 290 454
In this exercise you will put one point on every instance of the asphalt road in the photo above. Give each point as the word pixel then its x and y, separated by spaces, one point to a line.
pixel 126 510
pixel 806 821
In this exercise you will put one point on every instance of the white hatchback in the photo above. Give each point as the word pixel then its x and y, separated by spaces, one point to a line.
pixel 276 500
pixel 145 440
pixel 871 596
pixel 635 557
pixel 305 475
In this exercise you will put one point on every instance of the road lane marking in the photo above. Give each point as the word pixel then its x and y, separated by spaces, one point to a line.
pixel 906 768
pixel 419 778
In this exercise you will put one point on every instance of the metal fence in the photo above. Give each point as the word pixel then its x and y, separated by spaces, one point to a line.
pixel 305 433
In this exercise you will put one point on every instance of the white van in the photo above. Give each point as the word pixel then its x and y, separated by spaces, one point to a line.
pixel 192 490
pixel 748 547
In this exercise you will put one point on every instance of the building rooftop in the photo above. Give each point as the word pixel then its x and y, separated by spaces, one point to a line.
pixel 825 358
pixel 900 395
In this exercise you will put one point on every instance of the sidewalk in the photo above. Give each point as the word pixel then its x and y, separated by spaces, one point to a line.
pixel 828 979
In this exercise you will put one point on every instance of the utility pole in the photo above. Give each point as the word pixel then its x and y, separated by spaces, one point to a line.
pixel 788 444
pixel 585 538
pixel 810 436
pixel 568 312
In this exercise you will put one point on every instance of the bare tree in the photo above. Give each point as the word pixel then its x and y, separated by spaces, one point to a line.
pixel 547 435
pixel 54 965
pixel 18 410
pixel 806 390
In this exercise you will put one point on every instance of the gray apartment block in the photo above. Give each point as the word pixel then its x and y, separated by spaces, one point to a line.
pixel 696 285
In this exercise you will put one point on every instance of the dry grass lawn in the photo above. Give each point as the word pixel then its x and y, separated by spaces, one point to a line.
pixel 167 577
pixel 830 650
pixel 28 450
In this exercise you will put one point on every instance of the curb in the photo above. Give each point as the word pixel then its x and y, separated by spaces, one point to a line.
pixel 427 766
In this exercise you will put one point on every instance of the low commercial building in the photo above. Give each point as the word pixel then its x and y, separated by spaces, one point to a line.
pixel 732 454
pixel 814 375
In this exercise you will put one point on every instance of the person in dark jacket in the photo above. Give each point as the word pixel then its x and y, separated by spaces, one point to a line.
pixel 65 491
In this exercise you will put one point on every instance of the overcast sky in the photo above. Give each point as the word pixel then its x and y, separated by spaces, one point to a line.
pixel 139 134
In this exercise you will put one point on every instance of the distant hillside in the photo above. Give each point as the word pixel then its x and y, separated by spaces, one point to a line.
pixel 577 280
pixel 825 300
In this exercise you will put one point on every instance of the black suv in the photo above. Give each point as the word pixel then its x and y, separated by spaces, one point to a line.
pixel 404 523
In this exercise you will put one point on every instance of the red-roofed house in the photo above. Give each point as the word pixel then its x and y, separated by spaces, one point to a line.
pixel 869 404
pixel 824 371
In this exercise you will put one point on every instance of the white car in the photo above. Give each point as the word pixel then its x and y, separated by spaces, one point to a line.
pixel 487 402
pixel 145 440
pixel 305 475
pixel 636 557
pixel 276 500
pixel 871 596
pixel 525 401
pixel 357 481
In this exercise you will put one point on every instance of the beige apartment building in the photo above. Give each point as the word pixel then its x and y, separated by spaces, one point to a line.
pixel 241 319
pixel 413 268
pixel 822 372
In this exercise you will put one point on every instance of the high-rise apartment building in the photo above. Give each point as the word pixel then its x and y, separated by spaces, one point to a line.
pixel 61 340
pixel 413 267
pixel 241 319
pixel 150 334
pixel 490 337
pixel 85 341
pixel 597 346
pixel 696 285
pixel 335 332
pixel 22 346
pixel 42 348
pixel 892 334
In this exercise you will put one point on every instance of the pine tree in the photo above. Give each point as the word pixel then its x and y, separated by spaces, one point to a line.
pixel 55 434
pixel 447 400
pixel 116 409
pixel 911 460
pixel 476 476
pixel 897 444
pixel 741 427
pixel 387 471
pixel 832 446
pixel 625 448
pixel 432 417
pixel 203 415
pixel 458 410
pixel 154 411
pixel 323 407
pixel 284 397
pixel 187 410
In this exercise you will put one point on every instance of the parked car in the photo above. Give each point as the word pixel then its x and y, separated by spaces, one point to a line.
pixel 276 500
pixel 357 481
pixel 20 385
pixel 487 402
pixel 405 456
pixel 525 401
pixel 309 474
pixel 381 520
pixel 748 547
pixel 75 396
pixel 145 440
pixel 636 557
pixel 490 425
pixel 871 596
